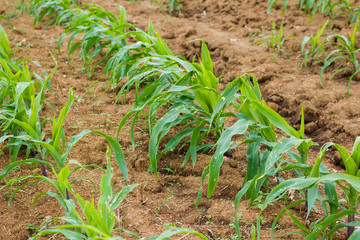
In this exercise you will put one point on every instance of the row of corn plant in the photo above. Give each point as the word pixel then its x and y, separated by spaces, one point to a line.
pixel 326 226
pixel 345 51
pixel 20 119
pixel 159 69
pixel 203 89
pixel 191 92
pixel 98 222
pixel 76 227
pixel 331 8
pixel 271 162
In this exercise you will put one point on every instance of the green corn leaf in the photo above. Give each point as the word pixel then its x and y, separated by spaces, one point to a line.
pixel 119 197
pixel 283 146
pixel 253 158
pixel 277 120
pixel 331 195
pixel 174 141
pixel 295 183
pixel 312 196
pixel 320 32
pixel 150 29
pixel 58 124
pixel 203 176
pixel 4 43
pixel 13 165
pixel 327 221
pixel 350 165
pixel 195 139
pixel 70 234
pixel 297 222
pixel 301 183
pixel 174 231
pixel 355 235
pixel 223 145
pixel 238 197
pixel 161 127
pixel 161 46
pixel 315 172
pixel 353 35
pixel 205 57
pixel 355 153
pixel 122 15
pixel 282 213
pixel 18 189
pixel 119 156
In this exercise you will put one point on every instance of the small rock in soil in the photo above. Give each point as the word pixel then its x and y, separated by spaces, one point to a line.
pixel 141 165
pixel 190 32
pixel 273 106
pixel 338 160
pixel 36 171
pixel 228 154
pixel 310 127
pixel 192 219
pixel 232 163
pixel 275 99
pixel 153 187
pixel 265 78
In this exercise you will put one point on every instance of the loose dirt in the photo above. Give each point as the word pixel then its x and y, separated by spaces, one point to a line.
pixel 229 29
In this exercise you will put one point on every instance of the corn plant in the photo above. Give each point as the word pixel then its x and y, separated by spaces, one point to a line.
pixel 56 145
pixel 195 102
pixel 99 223
pixel 18 90
pixel 140 61
pixel 346 52
pixel 348 182
pixel 317 47
pixel 262 167
pixel 331 8
pixel 5 50
pixel 174 5
pixel 275 40
pixel 42 8
pixel 99 27
pixel 261 120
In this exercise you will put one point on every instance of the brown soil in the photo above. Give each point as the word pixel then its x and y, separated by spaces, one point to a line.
pixel 227 27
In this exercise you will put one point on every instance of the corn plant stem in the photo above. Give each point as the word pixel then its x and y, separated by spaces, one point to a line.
pixel 350 229
pixel 354 68
pixel 67 195
pixel 351 217
pixel 43 169
pixel 312 60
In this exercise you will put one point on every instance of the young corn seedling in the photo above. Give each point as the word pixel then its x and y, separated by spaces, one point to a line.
pixel 261 120
pixel 100 222
pixel 174 6
pixel 42 8
pixel 348 182
pixel 18 91
pixel 5 49
pixel 317 47
pixel 272 3
pixel 330 8
pixel 142 61
pixel 346 52
pixel 203 120
pixel 56 145
pixel 99 28
pixel 261 166
pixel 274 41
